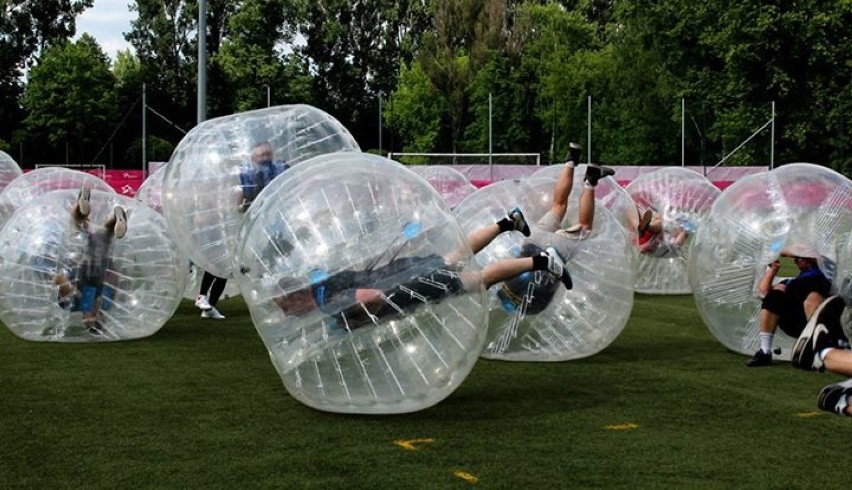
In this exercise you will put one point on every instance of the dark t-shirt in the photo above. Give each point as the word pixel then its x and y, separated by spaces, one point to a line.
pixel 406 283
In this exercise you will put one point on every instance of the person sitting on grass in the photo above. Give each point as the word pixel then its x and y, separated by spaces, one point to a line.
pixel 788 304
pixel 83 288
pixel 824 346
pixel 355 298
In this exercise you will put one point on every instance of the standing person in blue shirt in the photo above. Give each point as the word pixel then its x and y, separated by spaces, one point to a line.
pixel 253 179
pixel 790 303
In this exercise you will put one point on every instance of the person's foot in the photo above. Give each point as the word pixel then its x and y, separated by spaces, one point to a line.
pixel 835 398
pixel 556 265
pixel 96 329
pixel 84 205
pixel 823 331
pixel 594 173
pixel 517 217
pixel 645 221
pixel 760 359
pixel 202 304
pixel 212 313
pixel 120 227
pixel 574 152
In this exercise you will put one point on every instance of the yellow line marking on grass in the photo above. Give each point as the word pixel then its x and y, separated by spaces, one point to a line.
pixel 409 443
pixel 468 477
pixel 808 414
pixel 627 426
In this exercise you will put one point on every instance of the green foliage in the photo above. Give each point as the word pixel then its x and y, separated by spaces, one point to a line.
pixel 415 110
pixel 158 149
pixel 70 97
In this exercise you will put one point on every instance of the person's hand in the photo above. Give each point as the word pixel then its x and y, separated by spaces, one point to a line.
pixel 774 267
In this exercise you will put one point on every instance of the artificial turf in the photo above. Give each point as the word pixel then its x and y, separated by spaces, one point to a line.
pixel 199 405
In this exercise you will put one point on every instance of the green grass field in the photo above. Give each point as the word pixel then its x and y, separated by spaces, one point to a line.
pixel 199 405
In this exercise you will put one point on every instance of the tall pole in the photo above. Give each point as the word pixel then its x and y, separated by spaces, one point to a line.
pixel 144 131
pixel 682 132
pixel 202 61
pixel 772 140
pixel 589 132
pixel 268 96
pixel 490 141
pixel 380 122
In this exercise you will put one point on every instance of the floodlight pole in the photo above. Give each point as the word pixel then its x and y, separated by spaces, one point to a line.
pixel 682 132
pixel 202 61
pixel 380 121
pixel 144 131
pixel 772 140
pixel 490 141
pixel 589 132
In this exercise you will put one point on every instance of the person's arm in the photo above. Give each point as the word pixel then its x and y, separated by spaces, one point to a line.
pixel 765 284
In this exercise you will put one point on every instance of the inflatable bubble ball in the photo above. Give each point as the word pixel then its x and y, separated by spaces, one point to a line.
pixel 572 324
pixel 450 183
pixel 679 200
pixel 65 278
pixel 362 286
pixel 41 181
pixel 608 191
pixel 150 194
pixel 9 170
pixel 221 166
pixel 755 220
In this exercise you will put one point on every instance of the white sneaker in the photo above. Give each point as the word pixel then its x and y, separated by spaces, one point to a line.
pixel 212 313
pixel 556 265
pixel 202 304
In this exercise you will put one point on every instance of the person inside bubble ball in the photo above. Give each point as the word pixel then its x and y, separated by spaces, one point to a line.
pixel 790 303
pixel 655 240
pixel 530 293
pixel 256 176
pixel 253 179
pixel 355 298
pixel 83 288
pixel 824 346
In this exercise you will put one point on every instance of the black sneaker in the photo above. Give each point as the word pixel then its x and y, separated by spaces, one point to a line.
pixel 574 152
pixel 760 359
pixel 517 217
pixel 556 265
pixel 823 331
pixel 834 398
pixel 96 329
pixel 595 172
pixel 83 204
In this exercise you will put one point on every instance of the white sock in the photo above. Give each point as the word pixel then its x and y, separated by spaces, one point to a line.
pixel 824 353
pixel 587 185
pixel 571 163
pixel 842 404
pixel 766 341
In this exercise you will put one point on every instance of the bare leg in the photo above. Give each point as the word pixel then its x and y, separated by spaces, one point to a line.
pixel 587 207
pixel 505 269
pixel 839 361
pixel 656 225
pixel 562 192
pixel 812 302
pixel 481 237
pixel 768 321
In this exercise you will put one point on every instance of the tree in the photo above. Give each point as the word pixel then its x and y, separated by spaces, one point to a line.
pixel 415 111
pixel 253 58
pixel 70 98
pixel 27 28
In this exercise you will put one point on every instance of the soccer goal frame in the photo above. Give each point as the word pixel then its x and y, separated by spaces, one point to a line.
pixel 408 158
pixel 96 169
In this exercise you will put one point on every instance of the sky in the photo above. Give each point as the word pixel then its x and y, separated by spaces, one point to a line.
pixel 107 21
